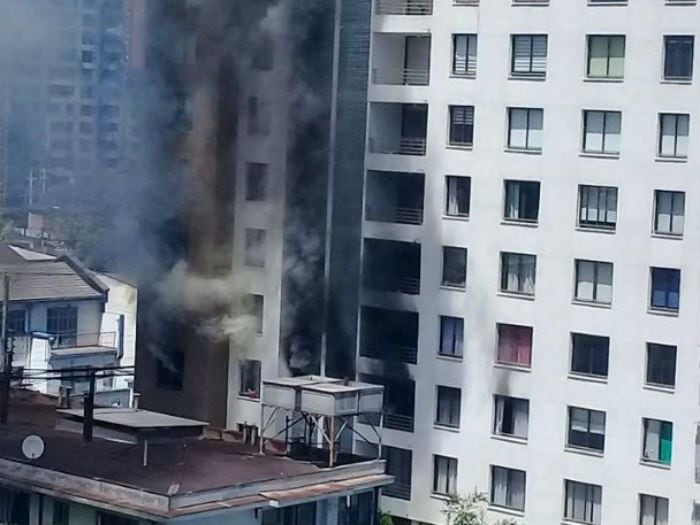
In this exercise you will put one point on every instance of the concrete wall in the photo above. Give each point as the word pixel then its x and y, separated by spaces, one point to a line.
pixel 557 242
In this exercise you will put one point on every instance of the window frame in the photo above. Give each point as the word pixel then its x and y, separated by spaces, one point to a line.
pixel 452 398
pixel 508 185
pixel 497 427
pixel 590 359
pixel 527 364
pixel 673 218
pixel 596 493
pixel 465 180
pixel 667 293
pixel 660 460
pixel 466 129
pixel 245 368
pixel 589 433
pixel 472 39
pixel 587 113
pixel 452 471
pixel 600 190
pixel 677 117
pixel 524 260
pixel 454 250
pixel 678 78
pixel 658 519
pixel 609 38
pixel 528 129
pixel 510 474
pixel 457 345
pixel 661 348
pixel 531 72
pixel 596 283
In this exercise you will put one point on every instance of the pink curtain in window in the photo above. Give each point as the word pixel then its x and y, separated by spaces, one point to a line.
pixel 515 344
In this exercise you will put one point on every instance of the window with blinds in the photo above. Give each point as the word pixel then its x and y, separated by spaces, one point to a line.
pixel 602 132
pixel 606 56
pixel 529 55
pixel 461 126
pixel 464 48
pixel 673 135
pixel 669 212
pixel 597 207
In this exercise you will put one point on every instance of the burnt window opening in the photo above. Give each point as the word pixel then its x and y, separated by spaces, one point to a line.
pixel 250 378
pixel 256 181
pixel 171 370
pixel 395 197
pixel 389 334
pixel 392 266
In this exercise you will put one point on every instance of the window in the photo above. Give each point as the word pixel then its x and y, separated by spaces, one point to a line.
pixel 256 181
pixel 661 365
pixel 444 475
pixel 170 370
pixel 522 201
pixel 590 355
pixel 586 429
pixel 458 196
pixel 63 323
pixel 451 336
pixel 601 132
pixel 669 212
pixel 511 416
pixel 464 55
pixel 258 117
pixel 255 248
pixel 263 53
pixel 594 281
pixel 303 514
pixel 16 322
pixel 461 125
pixel 525 128
pixel 673 135
pixel 103 518
pixel 582 502
pixel 529 55
pixel 518 273
pixel 508 488
pixel 449 401
pixel 606 56
pixel 14 507
pixel 398 464
pixel 665 288
pixel 514 344
pixel 653 510
pixel 61 513
pixel 254 306
pixel 454 266
pixel 250 378
pixel 597 207
pixel 658 441
pixel 678 57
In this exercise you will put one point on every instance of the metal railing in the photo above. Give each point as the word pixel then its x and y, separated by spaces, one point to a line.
pixel 408 216
pixel 99 339
pixel 404 7
pixel 409 285
pixel 398 490
pixel 378 350
pixel 404 146
pixel 401 77
pixel 398 422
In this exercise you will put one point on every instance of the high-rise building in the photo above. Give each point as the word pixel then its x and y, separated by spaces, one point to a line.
pixel 528 269
pixel 66 69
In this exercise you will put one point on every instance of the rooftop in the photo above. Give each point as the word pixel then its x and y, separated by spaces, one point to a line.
pixel 183 477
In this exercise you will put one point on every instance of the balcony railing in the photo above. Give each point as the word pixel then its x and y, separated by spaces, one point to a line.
pixel 378 350
pixel 398 490
pixel 405 146
pixel 398 422
pixel 409 285
pixel 401 77
pixel 99 339
pixel 408 216
pixel 404 7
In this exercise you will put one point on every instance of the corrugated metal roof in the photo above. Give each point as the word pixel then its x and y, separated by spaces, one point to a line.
pixel 47 281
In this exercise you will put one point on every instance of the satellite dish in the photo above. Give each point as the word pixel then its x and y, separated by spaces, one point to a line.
pixel 33 447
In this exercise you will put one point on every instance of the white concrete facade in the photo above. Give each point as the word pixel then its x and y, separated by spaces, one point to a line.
pixel 556 240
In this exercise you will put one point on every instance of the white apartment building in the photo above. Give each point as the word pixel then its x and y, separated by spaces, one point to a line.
pixel 531 237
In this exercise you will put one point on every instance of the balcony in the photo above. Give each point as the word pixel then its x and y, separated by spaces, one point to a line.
pixel 390 335
pixel 392 266
pixel 87 340
pixel 398 490
pixel 399 401
pixel 404 7
pixel 395 197
pixel 398 129
pixel 401 60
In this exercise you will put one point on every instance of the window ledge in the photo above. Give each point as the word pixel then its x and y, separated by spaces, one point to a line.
pixel 593 304
pixel 509 439
pixel 654 464
pixel 440 497
pixel 446 428
pixel 523 151
pixel 599 155
pixel 588 378
pixel 661 312
pixel 462 76
pixel 680 2
pixel 465 3
pixel 458 147
pixel 506 510
pixel 621 3
pixel 677 160
pixel 583 451
pixel 517 222
pixel 530 3
pixel 458 218
pixel 669 236
pixel 516 295
pixel 594 229
pixel 248 398
pixel 513 367
pixel 450 288
pixel 677 81
pixel 660 388
pixel 450 358
pixel 528 78
pixel 604 80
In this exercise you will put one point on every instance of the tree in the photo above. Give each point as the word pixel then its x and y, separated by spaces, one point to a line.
pixel 385 519
pixel 470 510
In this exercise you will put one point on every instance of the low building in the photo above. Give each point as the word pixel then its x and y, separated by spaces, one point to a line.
pixel 178 478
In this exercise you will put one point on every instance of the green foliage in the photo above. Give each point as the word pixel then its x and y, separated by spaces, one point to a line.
pixel 470 510
pixel 385 519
